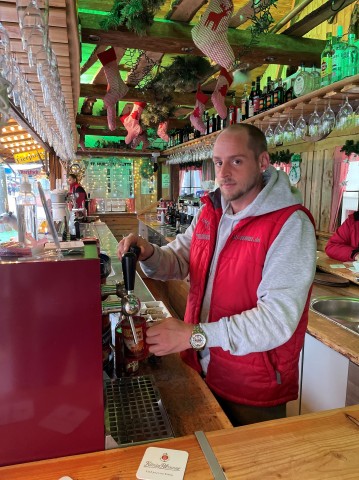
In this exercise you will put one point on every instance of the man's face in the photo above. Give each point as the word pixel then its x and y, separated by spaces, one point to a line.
pixel 238 171
pixel 71 181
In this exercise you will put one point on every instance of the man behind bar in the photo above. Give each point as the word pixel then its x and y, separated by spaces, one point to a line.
pixel 251 256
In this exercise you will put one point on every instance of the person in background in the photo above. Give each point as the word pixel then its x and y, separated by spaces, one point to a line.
pixel 76 190
pixel 343 245
pixel 250 253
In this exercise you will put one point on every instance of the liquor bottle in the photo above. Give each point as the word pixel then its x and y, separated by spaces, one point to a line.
pixel 263 100
pixel 214 123
pixel 244 103
pixel 185 134
pixel 289 94
pixel 270 92
pixel 278 94
pixel 209 124
pixel 350 57
pixel 205 121
pixel 26 212
pixel 326 61
pixel 338 48
pixel 316 77
pixel 232 111
pixel 251 100
pixel 257 96
pixel 303 82
pixel 191 133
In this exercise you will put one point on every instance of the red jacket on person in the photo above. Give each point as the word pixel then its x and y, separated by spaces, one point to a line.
pixel 343 245
pixel 262 378
pixel 80 194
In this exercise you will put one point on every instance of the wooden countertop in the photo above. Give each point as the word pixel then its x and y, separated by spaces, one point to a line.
pixel 325 263
pixel 316 446
pixel 188 401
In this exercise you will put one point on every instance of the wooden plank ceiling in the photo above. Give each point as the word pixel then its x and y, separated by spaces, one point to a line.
pixel 169 35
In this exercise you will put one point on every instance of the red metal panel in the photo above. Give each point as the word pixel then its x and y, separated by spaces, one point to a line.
pixel 51 387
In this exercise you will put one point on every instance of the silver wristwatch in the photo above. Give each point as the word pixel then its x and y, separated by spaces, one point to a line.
pixel 198 338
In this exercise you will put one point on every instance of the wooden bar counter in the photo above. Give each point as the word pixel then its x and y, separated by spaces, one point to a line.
pixel 319 446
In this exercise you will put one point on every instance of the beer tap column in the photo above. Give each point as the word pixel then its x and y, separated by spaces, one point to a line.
pixel 131 304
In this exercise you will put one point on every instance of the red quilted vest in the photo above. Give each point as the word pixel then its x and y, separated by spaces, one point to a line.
pixel 263 378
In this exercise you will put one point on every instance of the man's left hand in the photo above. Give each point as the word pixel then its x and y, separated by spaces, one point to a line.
pixel 169 336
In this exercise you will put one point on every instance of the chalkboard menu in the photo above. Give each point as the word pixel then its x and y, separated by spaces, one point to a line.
pixel 109 178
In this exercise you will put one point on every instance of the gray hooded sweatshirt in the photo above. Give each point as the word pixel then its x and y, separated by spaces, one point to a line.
pixel 288 273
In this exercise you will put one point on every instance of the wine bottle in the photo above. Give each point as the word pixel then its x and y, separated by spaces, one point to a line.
pixel 251 100
pixel 338 48
pixel 257 96
pixel 232 111
pixel 350 57
pixel 326 61
pixel 244 103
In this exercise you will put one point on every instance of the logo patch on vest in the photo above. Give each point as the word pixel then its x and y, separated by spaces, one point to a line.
pixel 202 236
pixel 246 238
pixel 206 223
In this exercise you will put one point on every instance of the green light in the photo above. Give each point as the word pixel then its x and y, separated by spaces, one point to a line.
pixel 93 12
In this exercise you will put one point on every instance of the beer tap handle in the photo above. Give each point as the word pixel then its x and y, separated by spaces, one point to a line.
pixel 136 250
pixel 129 260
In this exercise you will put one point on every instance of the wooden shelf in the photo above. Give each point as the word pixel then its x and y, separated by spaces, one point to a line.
pixel 336 93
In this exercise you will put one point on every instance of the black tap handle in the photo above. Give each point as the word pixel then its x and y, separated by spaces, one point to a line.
pixel 129 261
pixel 136 250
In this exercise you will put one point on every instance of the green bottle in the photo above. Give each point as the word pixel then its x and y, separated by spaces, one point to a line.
pixel 326 61
pixel 339 49
pixel 350 57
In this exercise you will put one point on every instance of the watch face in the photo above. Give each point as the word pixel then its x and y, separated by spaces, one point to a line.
pixel 198 338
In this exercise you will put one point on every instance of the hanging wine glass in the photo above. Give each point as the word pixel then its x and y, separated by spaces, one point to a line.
pixel 278 134
pixel 356 117
pixel 288 131
pixel 314 123
pixel 327 121
pixel 345 115
pixel 300 128
pixel 269 134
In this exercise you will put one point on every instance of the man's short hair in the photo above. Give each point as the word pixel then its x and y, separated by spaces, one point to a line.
pixel 256 138
pixel 72 175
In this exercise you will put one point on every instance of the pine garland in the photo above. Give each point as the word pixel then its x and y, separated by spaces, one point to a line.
pixel 146 169
pixel 284 156
pixel 153 114
pixel 350 147
pixel 136 15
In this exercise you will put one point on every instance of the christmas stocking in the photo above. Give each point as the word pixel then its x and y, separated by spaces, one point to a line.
pixel 218 96
pixel 132 122
pixel 116 87
pixel 210 34
pixel 162 131
pixel 142 137
pixel 196 115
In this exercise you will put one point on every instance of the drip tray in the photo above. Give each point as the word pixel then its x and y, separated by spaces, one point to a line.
pixel 134 412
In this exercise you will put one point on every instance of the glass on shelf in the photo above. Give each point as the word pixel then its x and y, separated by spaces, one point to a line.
pixel 278 134
pixel 327 120
pixel 314 123
pixel 288 131
pixel 345 116
pixel 269 134
pixel 300 127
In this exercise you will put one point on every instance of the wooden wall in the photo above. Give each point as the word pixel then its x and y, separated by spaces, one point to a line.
pixel 316 183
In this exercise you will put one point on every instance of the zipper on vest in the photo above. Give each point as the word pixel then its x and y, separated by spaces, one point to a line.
pixel 279 378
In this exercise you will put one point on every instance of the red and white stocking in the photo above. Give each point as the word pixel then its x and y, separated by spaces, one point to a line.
pixel 210 34
pixel 197 114
pixel 162 131
pixel 132 122
pixel 116 87
pixel 218 97
pixel 142 137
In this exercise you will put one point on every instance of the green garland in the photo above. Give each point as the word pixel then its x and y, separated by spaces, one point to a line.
pixel 153 114
pixel 350 147
pixel 284 156
pixel 136 15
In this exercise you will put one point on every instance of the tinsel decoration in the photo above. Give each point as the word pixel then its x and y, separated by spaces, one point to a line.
pixel 136 15
pixel 153 114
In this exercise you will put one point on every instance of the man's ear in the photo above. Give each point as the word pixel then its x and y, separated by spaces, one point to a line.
pixel 264 161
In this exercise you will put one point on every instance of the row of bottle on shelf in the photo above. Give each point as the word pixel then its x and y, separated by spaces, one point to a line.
pixel 339 59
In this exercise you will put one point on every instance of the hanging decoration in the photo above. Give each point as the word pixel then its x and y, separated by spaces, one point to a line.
pixel 210 34
pixel 155 113
pixel 121 145
pixel 136 15
pixel 284 156
pixel 350 147
pixel 294 172
pixel 146 169
pixel 261 21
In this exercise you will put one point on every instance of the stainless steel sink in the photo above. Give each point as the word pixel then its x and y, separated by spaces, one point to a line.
pixel 342 310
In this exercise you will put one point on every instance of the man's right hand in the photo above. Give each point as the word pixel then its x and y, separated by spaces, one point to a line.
pixel 146 248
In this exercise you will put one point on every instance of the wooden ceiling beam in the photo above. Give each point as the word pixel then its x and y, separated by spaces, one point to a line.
pixel 136 95
pixel 175 38
pixel 101 121
pixel 316 17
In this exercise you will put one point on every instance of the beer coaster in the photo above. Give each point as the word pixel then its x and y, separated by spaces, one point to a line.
pixel 158 463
